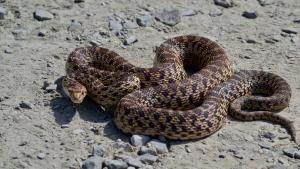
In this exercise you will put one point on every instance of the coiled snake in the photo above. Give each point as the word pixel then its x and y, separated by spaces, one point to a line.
pixel 185 95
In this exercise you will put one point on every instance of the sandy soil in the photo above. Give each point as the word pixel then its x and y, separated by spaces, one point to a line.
pixel 35 120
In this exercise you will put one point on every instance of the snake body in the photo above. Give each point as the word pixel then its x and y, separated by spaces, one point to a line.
pixel 170 102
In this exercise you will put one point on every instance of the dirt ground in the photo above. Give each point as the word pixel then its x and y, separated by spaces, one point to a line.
pixel 41 128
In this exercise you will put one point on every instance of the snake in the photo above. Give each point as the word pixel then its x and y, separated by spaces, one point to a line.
pixel 187 94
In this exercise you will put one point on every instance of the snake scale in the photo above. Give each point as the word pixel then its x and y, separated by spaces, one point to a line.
pixel 187 94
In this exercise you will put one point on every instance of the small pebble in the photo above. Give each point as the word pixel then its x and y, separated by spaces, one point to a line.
pixel 130 25
pixel 42 15
pixel 277 166
pixel 75 26
pixel 124 146
pixel 296 20
pixel 250 14
pixel 8 51
pixel 169 17
pixel 222 156
pixel 265 146
pixel 147 150
pixel 270 135
pixel 187 149
pixel 215 12
pixel 189 12
pixel 26 105
pixel 295 39
pixel 41 156
pixel 145 20
pixel 290 30
pixel 51 87
pixel 130 40
pixel 79 1
pixel 20 33
pixel 94 162
pixel 115 25
pixel 161 147
pixel 77 131
pixel 2 12
pixel 297 154
pixel 250 40
pixel 98 150
pixel 139 140
pixel 116 164
pixel 134 162
pixel 265 2
pixel 42 33
pixel 64 126
pixel 148 158
pixel 224 3
pixel 283 161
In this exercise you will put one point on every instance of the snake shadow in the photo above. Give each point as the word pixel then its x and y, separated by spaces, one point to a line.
pixel 64 110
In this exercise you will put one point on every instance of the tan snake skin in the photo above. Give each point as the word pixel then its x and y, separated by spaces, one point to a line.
pixel 172 102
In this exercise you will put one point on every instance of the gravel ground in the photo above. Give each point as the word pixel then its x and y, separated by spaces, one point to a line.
pixel 41 128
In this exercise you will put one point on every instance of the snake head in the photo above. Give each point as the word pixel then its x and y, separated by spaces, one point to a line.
pixel 74 90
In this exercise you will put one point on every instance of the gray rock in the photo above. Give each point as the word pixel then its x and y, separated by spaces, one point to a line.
pixel 2 12
pixel 94 162
pixel 8 50
pixel 250 14
pixel 160 146
pixel 139 140
pixel 147 150
pixel 148 158
pixel 297 154
pixel 277 166
pixel 224 3
pixel 26 105
pixel 2 1
pixel 283 161
pixel 130 25
pixel 265 2
pixel 250 40
pixel 189 12
pixel 215 12
pixel 79 1
pixel 115 25
pixel 130 40
pixel 116 164
pixel 270 135
pixel 98 150
pixel 169 17
pixel 295 39
pixel 134 162
pixel 75 26
pixel 290 30
pixel 41 156
pixel 290 152
pixel 20 33
pixel 265 146
pixel 131 167
pixel 124 146
pixel 42 15
pixel 145 20
pixel 296 20
pixel 51 87
pixel 42 33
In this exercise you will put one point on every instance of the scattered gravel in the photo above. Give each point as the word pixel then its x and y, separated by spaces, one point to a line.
pixel 145 20
pixel 139 140
pixel 42 15
pixel 94 162
pixel 224 3
pixel 169 17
